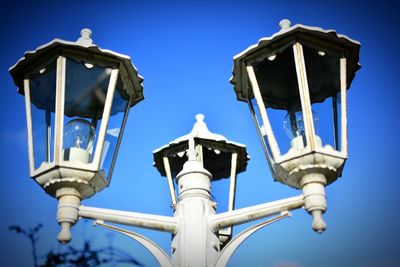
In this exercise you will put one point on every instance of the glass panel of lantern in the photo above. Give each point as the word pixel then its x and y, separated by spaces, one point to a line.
pixel 42 98
pixel 85 94
pixel 277 80
pixel 118 115
pixel 323 75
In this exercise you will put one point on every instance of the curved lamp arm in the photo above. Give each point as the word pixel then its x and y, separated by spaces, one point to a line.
pixel 231 247
pixel 160 255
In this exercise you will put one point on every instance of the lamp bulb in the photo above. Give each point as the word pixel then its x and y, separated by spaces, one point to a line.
pixel 293 124
pixel 79 133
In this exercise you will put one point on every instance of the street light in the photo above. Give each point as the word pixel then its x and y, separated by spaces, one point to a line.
pixel 77 101
pixel 300 75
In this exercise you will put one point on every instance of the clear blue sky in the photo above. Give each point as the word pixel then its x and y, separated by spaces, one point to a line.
pixel 184 51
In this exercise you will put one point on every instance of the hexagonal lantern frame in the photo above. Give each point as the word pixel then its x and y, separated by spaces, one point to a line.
pixel 71 62
pixel 250 79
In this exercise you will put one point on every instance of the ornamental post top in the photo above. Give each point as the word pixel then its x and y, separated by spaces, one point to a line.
pixel 217 151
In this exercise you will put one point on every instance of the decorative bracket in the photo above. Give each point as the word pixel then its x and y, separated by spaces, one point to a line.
pixel 160 255
pixel 231 247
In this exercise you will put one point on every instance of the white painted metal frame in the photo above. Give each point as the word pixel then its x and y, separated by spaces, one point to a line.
pixel 60 83
pixel 232 191
pixel 31 155
pixel 232 182
pixel 105 118
pixel 304 96
pixel 343 106
pixel 171 186
pixel 60 103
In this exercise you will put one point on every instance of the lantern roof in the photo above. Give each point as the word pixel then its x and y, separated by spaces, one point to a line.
pixel 217 152
pixel 288 35
pixel 85 47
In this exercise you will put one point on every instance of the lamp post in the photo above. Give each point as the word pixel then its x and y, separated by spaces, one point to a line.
pixel 78 97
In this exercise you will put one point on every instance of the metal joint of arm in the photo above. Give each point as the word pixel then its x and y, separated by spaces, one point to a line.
pixel 248 214
pixel 142 220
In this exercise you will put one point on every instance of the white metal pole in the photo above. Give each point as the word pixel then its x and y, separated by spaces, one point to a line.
pixel 195 243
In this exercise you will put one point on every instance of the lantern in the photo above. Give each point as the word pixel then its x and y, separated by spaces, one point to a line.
pixel 295 84
pixel 77 98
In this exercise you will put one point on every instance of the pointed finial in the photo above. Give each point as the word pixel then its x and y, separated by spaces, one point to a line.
pixel 284 24
pixel 199 127
pixel 86 37
pixel 200 117
pixel 86 33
